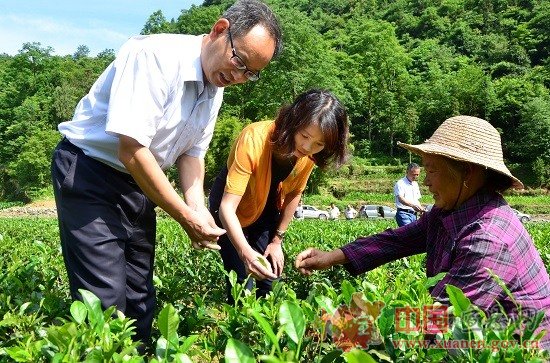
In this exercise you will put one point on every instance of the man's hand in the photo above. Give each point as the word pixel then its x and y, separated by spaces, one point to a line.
pixel 314 259
pixel 274 252
pixel 202 230
pixel 257 265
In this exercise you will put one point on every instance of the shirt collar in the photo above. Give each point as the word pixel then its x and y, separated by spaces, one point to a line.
pixel 454 221
pixel 195 73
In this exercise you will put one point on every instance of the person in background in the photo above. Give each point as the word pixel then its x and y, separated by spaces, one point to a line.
pixel 255 196
pixel 350 212
pixel 407 196
pixel 469 231
pixel 333 212
pixel 299 213
pixel 154 106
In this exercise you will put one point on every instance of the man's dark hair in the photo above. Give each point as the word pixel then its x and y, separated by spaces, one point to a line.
pixel 317 107
pixel 412 166
pixel 246 14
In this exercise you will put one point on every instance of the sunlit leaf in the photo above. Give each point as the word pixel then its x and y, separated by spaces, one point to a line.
pixel 238 352
pixel 292 318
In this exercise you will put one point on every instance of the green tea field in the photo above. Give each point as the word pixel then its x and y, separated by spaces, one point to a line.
pixel 328 317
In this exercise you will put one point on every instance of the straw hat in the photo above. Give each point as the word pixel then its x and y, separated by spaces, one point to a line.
pixel 469 139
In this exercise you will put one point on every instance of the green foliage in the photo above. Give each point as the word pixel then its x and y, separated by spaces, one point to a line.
pixel 90 334
pixel 30 172
pixel 170 346
pixel 400 67
pixel 226 131
pixel 39 91
pixel 157 24
pixel 38 323
pixel 197 20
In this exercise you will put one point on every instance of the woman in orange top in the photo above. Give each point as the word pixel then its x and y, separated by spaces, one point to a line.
pixel 254 197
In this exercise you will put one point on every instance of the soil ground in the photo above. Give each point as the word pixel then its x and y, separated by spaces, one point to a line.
pixel 46 208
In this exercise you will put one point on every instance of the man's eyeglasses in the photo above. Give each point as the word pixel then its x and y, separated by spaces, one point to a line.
pixel 239 63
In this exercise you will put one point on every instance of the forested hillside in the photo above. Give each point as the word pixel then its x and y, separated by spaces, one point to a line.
pixel 401 68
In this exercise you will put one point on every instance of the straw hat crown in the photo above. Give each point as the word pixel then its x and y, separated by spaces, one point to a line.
pixel 470 139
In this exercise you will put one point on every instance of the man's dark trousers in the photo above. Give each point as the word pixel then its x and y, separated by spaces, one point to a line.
pixel 107 229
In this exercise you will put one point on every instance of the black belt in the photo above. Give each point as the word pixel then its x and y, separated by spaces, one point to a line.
pixel 406 210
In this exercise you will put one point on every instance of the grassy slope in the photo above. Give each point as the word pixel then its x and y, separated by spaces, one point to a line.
pixel 359 183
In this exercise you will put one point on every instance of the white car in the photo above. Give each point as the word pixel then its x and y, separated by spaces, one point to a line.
pixel 523 217
pixel 312 212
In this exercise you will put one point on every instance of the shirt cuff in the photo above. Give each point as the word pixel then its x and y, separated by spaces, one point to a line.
pixel 353 265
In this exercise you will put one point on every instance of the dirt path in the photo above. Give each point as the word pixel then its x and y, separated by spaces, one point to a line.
pixel 36 209
pixel 46 208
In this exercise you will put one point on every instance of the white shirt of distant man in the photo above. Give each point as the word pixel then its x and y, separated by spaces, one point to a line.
pixel 407 196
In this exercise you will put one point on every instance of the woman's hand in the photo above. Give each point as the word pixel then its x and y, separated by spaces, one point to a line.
pixel 313 259
pixel 257 265
pixel 274 253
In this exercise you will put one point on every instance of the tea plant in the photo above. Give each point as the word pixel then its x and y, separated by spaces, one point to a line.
pixel 304 319
pixel 90 334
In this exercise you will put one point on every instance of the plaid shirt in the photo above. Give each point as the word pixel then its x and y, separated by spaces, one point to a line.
pixel 483 233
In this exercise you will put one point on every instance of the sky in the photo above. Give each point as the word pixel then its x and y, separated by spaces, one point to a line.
pixel 66 24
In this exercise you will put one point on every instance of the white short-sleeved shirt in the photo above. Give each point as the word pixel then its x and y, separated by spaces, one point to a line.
pixel 154 92
pixel 350 213
pixel 408 190
pixel 334 213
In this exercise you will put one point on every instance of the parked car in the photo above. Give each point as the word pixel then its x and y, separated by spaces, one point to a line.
pixel 368 211
pixel 376 211
pixel 523 217
pixel 312 212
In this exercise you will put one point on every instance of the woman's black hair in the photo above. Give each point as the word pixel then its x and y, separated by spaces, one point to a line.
pixel 314 107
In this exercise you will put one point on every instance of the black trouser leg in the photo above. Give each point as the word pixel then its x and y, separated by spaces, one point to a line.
pixel 107 231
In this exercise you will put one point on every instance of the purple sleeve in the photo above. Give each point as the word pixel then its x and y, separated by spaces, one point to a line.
pixel 469 271
pixel 367 253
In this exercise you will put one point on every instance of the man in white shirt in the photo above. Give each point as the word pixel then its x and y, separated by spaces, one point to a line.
pixel 153 107
pixel 350 212
pixel 333 212
pixel 407 196
pixel 299 213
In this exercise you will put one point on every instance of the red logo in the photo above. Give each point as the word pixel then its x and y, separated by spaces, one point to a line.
pixel 434 319
pixel 354 326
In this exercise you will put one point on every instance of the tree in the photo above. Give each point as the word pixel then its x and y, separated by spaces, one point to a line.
pixel 538 28
pixel 107 54
pixel 307 61
pixel 30 171
pixel 534 130
pixel 227 129
pixel 511 93
pixel 157 24
pixel 81 52
pixel 198 20
pixel 380 63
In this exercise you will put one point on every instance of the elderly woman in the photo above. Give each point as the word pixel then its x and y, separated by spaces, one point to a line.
pixel 470 229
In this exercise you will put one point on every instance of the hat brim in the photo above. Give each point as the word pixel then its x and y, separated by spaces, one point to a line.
pixel 462 155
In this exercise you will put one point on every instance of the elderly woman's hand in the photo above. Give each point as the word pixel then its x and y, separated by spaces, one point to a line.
pixel 314 259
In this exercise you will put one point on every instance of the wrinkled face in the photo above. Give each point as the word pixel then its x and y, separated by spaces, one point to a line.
pixel 442 183
pixel 255 49
pixel 308 141
pixel 413 174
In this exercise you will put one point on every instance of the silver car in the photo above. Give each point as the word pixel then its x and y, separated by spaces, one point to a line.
pixel 376 211
pixel 523 217
pixel 312 212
